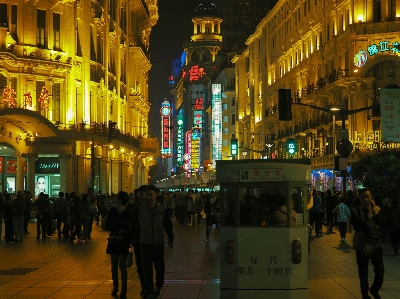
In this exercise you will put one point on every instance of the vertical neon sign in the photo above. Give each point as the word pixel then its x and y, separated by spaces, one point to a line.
pixel 196 137
pixel 165 126
pixel 216 126
pixel 179 138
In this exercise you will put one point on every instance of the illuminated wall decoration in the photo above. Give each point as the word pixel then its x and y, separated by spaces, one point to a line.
pixel 9 97
pixel 44 99
pixel 216 125
pixel 165 112
pixel 361 57
pixel 179 138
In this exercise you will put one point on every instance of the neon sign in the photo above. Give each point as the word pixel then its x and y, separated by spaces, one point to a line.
pixel 171 80
pixel 188 155
pixel 179 138
pixel 216 125
pixel 361 57
pixel 165 112
pixel 195 73
pixel 195 149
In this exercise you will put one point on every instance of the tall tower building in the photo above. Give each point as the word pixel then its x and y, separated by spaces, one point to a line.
pixel 193 91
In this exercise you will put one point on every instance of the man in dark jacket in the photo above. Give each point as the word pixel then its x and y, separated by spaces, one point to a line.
pixel 330 206
pixel 153 220
pixel 366 219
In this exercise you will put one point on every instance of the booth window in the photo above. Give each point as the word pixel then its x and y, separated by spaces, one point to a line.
pixel 263 206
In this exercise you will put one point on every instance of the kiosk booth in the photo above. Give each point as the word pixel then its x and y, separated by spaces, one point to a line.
pixel 264 234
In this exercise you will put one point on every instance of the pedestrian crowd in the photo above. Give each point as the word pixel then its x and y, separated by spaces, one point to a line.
pixel 136 220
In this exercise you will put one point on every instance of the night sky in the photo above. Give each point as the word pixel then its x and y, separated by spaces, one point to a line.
pixel 173 28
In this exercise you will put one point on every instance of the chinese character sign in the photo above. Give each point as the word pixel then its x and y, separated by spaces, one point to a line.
pixel 195 73
pixel 179 138
pixel 261 175
pixel 165 127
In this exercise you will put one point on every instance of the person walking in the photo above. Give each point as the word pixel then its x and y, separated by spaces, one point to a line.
pixel 75 228
pixel 42 206
pixel 118 242
pixel 212 215
pixel 314 218
pixel 18 207
pixel 343 215
pixel 153 220
pixel 181 203
pixel 134 210
pixel 365 219
pixel 84 216
pixel 59 205
pixel 394 224
pixel 330 206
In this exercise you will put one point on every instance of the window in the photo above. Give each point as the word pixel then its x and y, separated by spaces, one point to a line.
pixel 233 101
pixel 14 21
pixel 225 130
pixel 56 30
pixel 225 119
pixel 224 106
pixel 3 15
pixel 233 119
pixel 225 142
pixel 40 28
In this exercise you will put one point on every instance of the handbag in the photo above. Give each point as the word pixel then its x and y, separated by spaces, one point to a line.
pixel 129 259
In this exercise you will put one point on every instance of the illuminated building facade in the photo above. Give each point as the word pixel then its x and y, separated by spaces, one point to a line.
pixel 193 91
pixel 70 73
pixel 326 53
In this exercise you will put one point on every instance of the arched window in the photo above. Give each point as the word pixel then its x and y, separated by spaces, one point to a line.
pixel 194 57
pixel 206 56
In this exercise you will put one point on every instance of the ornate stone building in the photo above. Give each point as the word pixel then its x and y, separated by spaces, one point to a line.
pixel 74 109
pixel 328 53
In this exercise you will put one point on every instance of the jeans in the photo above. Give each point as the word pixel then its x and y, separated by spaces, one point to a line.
pixel 27 216
pixel 119 259
pixel 139 264
pixel 59 217
pixel 342 229
pixel 329 219
pixel 41 224
pixel 18 228
pixel 153 254
pixel 362 263
pixel 85 224
pixel 181 214
pixel 314 217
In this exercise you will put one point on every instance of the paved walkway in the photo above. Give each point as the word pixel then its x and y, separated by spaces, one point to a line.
pixel 54 268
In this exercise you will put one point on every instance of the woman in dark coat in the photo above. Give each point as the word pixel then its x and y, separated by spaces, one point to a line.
pixel 119 241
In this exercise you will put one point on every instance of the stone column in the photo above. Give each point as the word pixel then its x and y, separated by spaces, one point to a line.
pixel 104 171
pixel 20 172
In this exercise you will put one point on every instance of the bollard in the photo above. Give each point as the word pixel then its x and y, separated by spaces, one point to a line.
pixel 194 220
